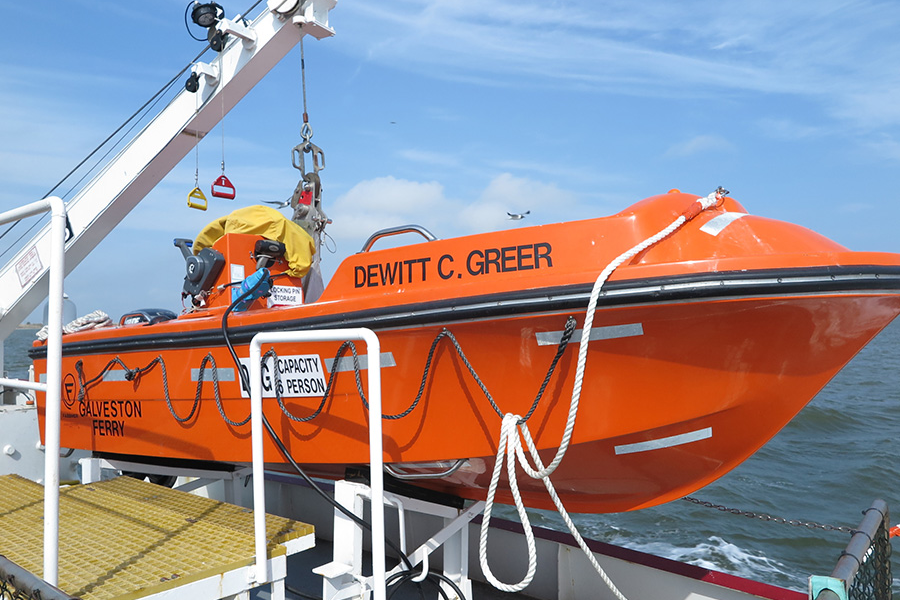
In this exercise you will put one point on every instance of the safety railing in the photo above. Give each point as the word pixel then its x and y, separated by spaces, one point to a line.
pixel 376 456
pixel 53 386
pixel 400 229
pixel 864 570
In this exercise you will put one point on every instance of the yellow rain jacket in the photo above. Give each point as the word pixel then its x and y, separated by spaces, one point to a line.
pixel 270 224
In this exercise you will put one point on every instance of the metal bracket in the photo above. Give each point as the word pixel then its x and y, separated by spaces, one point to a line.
pixel 314 18
pixel 237 29
pixel 343 576
pixel 827 588
pixel 318 157
pixel 210 72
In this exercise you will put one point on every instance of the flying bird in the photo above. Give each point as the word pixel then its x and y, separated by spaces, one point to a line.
pixel 517 216
pixel 279 203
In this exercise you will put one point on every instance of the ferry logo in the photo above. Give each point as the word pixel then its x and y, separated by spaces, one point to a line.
pixel 69 390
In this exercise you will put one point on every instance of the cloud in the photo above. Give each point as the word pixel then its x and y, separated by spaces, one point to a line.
pixel 427 157
pixel 388 202
pixel 507 193
pixel 884 147
pixel 821 50
pixel 855 207
pixel 787 130
pixel 701 144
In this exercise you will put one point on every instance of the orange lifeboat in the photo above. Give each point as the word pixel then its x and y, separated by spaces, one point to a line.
pixel 703 346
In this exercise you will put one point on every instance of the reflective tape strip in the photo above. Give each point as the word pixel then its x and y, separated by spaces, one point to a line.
pixel 226 374
pixel 114 375
pixel 666 442
pixel 611 332
pixel 716 225
pixel 345 363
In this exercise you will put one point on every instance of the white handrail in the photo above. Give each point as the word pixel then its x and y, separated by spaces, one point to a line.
pixel 57 259
pixel 21 384
pixel 376 456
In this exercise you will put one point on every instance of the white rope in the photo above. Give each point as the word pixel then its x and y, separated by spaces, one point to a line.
pixel 507 446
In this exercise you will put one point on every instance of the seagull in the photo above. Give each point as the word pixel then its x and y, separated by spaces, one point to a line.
pixel 517 216
pixel 279 203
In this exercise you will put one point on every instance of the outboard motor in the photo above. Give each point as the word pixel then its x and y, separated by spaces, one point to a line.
pixel 201 270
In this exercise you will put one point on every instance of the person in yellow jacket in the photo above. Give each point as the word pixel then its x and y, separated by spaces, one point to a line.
pixel 270 224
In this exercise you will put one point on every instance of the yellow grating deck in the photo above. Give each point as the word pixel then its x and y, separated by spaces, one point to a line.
pixel 127 539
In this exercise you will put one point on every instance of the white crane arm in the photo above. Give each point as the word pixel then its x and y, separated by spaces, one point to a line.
pixel 250 52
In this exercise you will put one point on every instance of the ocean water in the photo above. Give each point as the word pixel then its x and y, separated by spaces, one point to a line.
pixel 826 466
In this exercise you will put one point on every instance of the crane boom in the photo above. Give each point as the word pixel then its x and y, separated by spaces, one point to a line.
pixel 250 52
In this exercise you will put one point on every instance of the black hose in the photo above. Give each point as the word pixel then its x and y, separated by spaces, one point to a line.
pixel 397 579
pixel 281 447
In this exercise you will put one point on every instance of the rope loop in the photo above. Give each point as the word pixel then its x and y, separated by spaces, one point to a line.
pixel 510 422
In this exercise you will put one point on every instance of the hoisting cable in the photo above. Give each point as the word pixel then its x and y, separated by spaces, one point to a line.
pixel 303 82
pixel 222 125
pixel 150 103
pixel 287 455
pixel 154 99
pixel 510 443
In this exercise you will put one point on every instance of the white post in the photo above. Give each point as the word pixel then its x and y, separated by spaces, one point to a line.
pixel 57 259
pixel 376 451
pixel 54 388
pixel 259 483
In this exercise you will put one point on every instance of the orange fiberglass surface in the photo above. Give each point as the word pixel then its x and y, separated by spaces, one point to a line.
pixel 703 346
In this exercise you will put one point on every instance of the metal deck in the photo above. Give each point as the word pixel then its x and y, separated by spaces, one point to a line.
pixel 127 539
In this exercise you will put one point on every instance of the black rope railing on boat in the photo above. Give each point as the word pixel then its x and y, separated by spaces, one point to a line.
pixel 444 333
pixel 137 373
pixel 134 374
pixel 278 388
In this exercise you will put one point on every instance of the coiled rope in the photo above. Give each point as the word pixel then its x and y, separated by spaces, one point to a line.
pixel 510 442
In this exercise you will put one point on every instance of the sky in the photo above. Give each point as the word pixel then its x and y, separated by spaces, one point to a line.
pixel 449 114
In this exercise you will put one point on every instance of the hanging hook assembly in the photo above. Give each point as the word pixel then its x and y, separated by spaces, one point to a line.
pixel 196 199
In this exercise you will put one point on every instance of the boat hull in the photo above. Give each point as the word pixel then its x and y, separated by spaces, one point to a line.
pixel 702 348
pixel 677 395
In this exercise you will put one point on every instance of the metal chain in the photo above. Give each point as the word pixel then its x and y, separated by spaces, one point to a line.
pixel 770 518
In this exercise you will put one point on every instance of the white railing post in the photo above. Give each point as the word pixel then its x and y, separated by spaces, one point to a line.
pixel 376 451
pixel 57 259
pixel 54 389
pixel 258 465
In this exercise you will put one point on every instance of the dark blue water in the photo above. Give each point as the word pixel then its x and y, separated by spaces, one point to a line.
pixel 15 348
pixel 841 452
